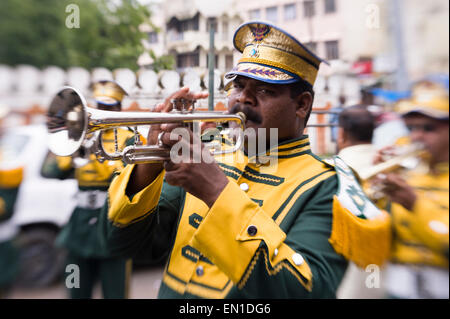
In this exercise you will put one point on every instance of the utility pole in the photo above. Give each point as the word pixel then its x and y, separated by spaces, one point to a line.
pixel 401 74
pixel 211 65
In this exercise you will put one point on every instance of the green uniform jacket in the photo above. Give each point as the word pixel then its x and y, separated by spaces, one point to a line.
pixel 266 236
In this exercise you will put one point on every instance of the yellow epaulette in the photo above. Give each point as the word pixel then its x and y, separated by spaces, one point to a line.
pixel 363 241
pixel 64 162
pixel 11 178
pixel 361 232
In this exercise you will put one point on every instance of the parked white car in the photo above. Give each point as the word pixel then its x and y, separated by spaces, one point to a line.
pixel 43 205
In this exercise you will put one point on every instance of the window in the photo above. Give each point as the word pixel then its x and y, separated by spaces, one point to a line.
pixel 290 11
pixel 332 50
pixel 189 24
pixel 330 6
pixel 272 14
pixel 186 60
pixel 153 37
pixel 225 30
pixel 254 14
pixel 312 46
pixel 309 8
pixel 229 62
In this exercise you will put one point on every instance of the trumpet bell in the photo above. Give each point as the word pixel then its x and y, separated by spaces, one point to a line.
pixel 70 122
pixel 66 122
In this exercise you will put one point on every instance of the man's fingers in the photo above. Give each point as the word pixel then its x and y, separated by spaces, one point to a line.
pixel 182 94
pixel 168 105
pixel 173 133
pixel 169 166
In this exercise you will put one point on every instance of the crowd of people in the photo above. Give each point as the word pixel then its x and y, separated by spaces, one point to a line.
pixel 239 226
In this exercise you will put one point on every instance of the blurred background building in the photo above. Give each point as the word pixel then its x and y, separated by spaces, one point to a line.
pixel 375 48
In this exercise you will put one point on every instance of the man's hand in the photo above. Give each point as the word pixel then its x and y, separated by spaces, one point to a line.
pixel 384 154
pixel 191 165
pixel 397 189
pixel 145 174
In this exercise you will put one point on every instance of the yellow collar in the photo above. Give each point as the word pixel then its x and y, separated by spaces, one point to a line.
pixel 287 149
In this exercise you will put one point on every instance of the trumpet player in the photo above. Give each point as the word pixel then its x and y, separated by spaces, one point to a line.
pixel 228 228
pixel 79 236
pixel 420 202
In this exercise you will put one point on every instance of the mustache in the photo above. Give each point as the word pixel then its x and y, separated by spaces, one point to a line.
pixel 248 111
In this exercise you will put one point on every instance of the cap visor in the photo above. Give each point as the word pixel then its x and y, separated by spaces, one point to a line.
pixel 427 112
pixel 106 100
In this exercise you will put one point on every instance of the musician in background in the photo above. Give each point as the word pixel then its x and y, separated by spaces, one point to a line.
pixel 354 137
pixel 10 180
pixel 79 236
pixel 354 143
pixel 420 202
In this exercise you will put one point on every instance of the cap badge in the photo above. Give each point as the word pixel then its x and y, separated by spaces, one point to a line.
pixel 254 53
pixel 260 32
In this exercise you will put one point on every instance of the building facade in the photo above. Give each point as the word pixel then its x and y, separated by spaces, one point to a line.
pixel 355 36
pixel 184 33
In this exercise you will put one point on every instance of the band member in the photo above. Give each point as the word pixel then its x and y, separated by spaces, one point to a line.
pixel 10 180
pixel 231 226
pixel 420 201
pixel 79 236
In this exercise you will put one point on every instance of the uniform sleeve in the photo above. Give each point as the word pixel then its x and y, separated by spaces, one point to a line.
pixel 430 223
pixel 10 181
pixel 255 253
pixel 57 167
pixel 141 227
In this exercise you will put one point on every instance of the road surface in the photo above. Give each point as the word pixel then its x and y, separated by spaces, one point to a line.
pixel 144 285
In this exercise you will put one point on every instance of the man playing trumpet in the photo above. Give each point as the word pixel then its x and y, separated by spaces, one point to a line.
pixel 231 227
pixel 420 201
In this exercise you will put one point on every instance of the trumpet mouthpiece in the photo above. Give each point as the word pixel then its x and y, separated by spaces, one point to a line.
pixel 242 116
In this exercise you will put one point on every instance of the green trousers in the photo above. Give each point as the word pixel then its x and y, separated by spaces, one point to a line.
pixel 83 273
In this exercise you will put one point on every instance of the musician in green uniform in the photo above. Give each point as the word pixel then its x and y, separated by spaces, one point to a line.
pixel 239 225
pixel 10 179
pixel 79 236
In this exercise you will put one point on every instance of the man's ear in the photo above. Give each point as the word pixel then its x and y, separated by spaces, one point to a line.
pixel 340 137
pixel 304 104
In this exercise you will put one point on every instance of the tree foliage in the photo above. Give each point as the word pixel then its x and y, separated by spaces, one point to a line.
pixel 36 32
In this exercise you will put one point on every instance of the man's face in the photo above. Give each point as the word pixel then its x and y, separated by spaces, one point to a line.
pixel 266 106
pixel 432 133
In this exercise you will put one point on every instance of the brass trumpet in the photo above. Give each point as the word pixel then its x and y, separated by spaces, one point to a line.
pixel 70 120
pixel 406 158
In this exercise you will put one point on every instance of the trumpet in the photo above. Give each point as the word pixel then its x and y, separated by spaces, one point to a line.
pixel 406 158
pixel 70 121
